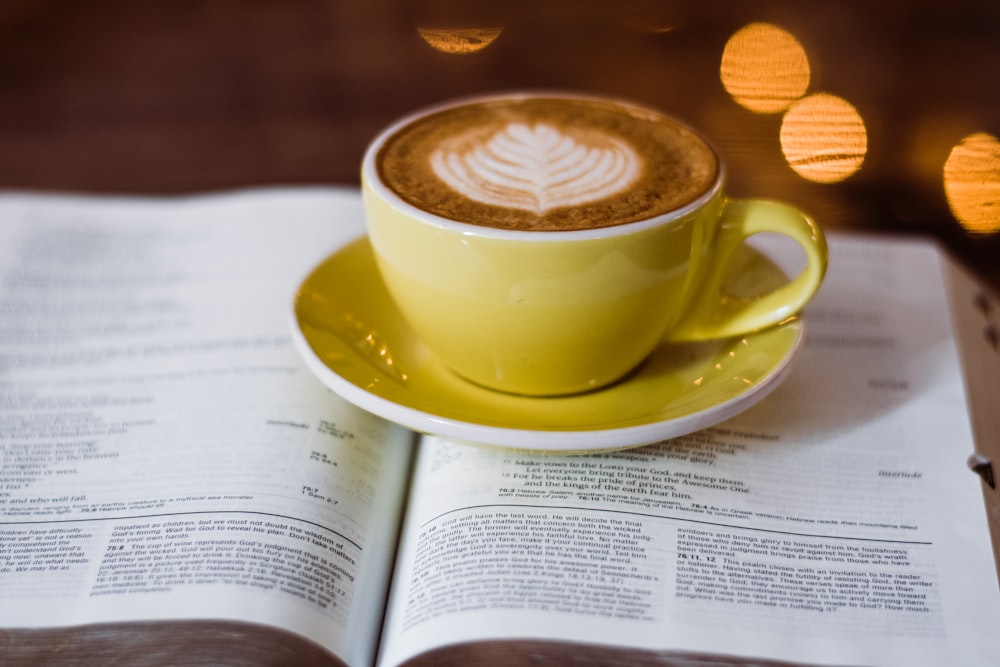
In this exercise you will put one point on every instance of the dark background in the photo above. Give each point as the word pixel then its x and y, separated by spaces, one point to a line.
pixel 183 96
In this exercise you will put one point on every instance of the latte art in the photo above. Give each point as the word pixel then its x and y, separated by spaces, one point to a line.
pixel 545 163
pixel 538 168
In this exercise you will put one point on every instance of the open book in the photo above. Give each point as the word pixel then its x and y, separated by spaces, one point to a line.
pixel 177 488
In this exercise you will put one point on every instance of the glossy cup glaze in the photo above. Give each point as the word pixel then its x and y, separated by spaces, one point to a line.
pixel 560 312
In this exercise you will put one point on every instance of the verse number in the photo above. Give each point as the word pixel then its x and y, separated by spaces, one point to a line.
pixel 696 557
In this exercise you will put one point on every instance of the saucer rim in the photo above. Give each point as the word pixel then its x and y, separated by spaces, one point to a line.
pixel 555 440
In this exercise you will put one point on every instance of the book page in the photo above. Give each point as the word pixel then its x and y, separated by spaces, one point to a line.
pixel 833 523
pixel 164 454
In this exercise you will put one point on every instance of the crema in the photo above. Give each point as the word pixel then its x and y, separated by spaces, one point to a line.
pixel 547 163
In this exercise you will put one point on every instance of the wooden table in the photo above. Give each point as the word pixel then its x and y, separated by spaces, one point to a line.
pixel 179 96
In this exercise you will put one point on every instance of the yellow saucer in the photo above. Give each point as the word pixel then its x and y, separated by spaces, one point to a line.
pixel 353 338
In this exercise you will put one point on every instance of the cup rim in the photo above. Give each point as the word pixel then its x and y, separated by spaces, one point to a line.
pixel 370 177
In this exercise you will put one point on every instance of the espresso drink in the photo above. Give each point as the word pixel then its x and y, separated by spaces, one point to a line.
pixel 547 163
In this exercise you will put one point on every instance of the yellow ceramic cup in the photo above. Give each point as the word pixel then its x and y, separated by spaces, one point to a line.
pixel 547 313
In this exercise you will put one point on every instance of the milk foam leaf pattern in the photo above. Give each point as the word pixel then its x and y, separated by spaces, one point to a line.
pixel 537 167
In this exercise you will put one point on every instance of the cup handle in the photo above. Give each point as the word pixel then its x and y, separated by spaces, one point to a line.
pixel 718 314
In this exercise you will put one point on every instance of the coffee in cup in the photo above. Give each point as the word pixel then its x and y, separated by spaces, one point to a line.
pixel 545 244
pixel 546 164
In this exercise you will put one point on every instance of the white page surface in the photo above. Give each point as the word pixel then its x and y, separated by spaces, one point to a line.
pixel 166 454
pixel 834 523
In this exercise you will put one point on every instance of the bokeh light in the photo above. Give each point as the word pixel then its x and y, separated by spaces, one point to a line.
pixel 764 68
pixel 972 183
pixel 824 138
pixel 459 40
